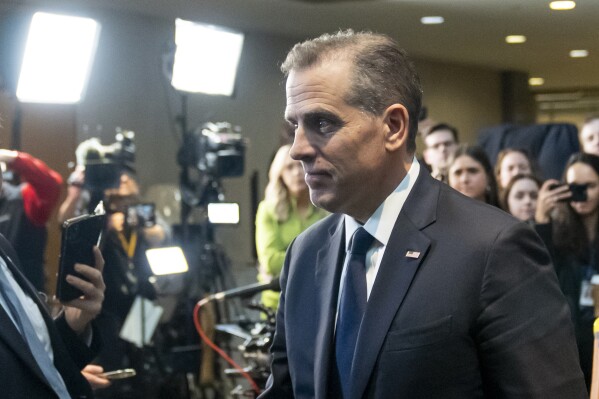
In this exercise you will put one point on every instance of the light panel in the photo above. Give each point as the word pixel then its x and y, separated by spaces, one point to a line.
pixel 206 58
pixel 223 213
pixel 170 260
pixel 58 58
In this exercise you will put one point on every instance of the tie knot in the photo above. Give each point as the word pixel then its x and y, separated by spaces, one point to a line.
pixel 360 242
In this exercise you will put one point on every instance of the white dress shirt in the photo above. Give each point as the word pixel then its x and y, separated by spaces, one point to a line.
pixel 380 225
pixel 32 310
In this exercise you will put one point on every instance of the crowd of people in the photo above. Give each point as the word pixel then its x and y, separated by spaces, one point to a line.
pixel 565 213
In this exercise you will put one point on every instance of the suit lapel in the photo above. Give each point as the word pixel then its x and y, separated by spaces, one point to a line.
pixel 394 277
pixel 9 332
pixel 328 272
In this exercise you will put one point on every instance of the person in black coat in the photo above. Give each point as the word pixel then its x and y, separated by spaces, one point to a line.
pixel 570 231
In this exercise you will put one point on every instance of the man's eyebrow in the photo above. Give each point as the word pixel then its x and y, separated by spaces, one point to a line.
pixel 315 115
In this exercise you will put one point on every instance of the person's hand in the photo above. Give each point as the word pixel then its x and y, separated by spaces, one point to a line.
pixel 81 311
pixel 7 156
pixel 92 374
pixel 77 177
pixel 549 198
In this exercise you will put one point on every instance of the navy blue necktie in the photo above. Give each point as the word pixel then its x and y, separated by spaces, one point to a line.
pixel 352 304
pixel 28 332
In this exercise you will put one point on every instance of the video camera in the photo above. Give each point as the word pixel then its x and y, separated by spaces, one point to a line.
pixel 215 149
pixel 104 164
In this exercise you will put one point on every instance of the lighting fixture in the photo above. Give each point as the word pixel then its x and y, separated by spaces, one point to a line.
pixel 536 81
pixel 515 39
pixel 223 213
pixel 432 20
pixel 170 260
pixel 58 58
pixel 206 58
pixel 562 5
pixel 579 53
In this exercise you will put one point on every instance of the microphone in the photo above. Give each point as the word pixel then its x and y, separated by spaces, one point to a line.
pixel 244 291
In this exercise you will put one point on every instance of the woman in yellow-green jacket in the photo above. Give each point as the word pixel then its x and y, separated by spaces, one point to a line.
pixel 285 212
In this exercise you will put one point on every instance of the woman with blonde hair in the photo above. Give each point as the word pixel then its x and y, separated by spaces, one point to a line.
pixel 285 212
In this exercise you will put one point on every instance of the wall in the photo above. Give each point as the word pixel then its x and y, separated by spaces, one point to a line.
pixel 128 89
pixel 464 96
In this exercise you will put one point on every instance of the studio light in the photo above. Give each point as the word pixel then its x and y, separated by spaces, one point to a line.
pixel 170 260
pixel 206 58
pixel 223 213
pixel 58 58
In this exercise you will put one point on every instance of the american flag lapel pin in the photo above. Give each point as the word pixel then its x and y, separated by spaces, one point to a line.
pixel 413 254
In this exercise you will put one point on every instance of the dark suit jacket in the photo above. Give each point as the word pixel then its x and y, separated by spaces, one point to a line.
pixel 479 314
pixel 20 376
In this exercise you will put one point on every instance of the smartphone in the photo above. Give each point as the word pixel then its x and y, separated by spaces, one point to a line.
pixel 79 236
pixel 143 215
pixel 579 191
pixel 118 374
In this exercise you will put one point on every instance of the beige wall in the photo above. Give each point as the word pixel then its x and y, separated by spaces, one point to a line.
pixel 575 117
pixel 466 97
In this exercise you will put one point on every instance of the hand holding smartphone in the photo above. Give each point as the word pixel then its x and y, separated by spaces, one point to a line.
pixel 579 191
pixel 79 236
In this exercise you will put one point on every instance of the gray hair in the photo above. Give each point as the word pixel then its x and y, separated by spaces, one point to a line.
pixel 383 74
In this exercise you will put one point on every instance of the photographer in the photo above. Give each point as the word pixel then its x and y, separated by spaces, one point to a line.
pixel 25 208
pixel 127 236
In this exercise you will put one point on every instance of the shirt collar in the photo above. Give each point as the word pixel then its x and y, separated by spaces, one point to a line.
pixel 381 223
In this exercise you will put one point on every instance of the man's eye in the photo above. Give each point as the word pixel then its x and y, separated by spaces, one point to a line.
pixel 326 126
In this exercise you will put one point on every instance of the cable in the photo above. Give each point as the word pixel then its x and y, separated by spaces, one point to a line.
pixel 196 321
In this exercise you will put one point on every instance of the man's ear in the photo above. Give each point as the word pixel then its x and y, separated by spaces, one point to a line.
pixel 397 120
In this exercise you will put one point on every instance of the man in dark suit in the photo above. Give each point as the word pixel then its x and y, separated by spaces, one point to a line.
pixel 462 300
pixel 41 357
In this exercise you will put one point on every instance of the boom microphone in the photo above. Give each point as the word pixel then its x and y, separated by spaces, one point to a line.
pixel 244 291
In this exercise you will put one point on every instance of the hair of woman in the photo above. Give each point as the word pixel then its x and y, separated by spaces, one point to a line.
pixel 276 193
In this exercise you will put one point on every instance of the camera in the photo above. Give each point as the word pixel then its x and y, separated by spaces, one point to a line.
pixel 104 164
pixel 579 191
pixel 215 149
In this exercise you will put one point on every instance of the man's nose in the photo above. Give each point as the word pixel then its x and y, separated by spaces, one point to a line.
pixel 301 147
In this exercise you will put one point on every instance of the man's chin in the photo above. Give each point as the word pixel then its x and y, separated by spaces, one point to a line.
pixel 322 200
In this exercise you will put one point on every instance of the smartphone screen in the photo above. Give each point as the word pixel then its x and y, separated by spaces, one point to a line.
pixel 143 215
pixel 79 236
